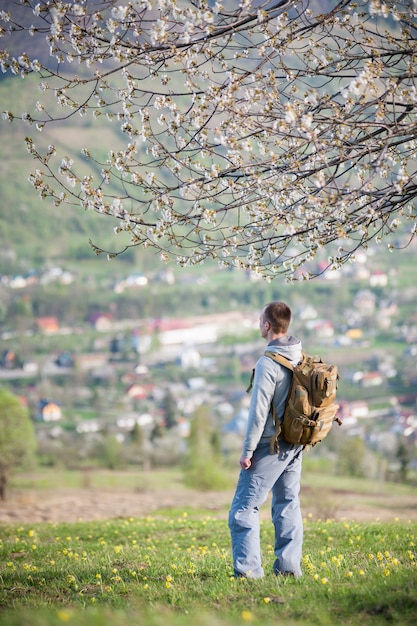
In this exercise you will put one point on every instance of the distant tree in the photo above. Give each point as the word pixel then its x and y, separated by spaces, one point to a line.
pixel 170 411
pixel 203 467
pixel 17 438
pixel 403 457
pixel 137 436
pixel 267 134
pixel 351 457
pixel 109 452
pixel 139 450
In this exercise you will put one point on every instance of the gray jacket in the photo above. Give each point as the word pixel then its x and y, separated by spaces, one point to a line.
pixel 271 381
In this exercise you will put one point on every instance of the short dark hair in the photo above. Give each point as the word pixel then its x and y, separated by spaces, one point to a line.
pixel 278 314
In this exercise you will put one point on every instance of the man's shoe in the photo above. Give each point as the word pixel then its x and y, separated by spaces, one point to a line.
pixel 288 574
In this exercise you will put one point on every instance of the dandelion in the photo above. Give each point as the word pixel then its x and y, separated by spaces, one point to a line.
pixel 324 581
pixel 267 600
pixel 247 616
pixel 116 579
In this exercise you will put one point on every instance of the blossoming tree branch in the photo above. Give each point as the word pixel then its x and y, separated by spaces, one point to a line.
pixel 258 133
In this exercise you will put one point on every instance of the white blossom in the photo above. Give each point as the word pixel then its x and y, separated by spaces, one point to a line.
pixel 258 136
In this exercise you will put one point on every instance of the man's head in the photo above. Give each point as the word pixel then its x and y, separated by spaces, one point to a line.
pixel 275 319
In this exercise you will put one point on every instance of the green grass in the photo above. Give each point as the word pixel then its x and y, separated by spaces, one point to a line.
pixel 176 569
pixel 53 478
pixel 358 485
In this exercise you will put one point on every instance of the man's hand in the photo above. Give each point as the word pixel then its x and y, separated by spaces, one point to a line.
pixel 245 463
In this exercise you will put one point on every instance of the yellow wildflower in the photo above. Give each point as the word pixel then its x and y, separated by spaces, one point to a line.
pixel 64 616
pixel 247 616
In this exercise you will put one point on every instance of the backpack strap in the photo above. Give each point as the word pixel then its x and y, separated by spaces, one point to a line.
pixel 275 357
pixel 282 360
pixel 274 441
pixel 248 390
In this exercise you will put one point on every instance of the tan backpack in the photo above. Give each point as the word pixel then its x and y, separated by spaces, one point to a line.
pixel 310 408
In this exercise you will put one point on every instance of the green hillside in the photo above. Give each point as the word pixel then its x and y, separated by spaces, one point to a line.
pixel 34 230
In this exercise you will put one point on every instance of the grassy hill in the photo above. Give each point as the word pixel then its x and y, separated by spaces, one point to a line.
pixel 33 230
pixel 174 568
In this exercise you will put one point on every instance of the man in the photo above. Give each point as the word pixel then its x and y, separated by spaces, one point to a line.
pixel 263 471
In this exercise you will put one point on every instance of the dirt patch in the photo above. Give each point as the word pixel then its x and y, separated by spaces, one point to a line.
pixel 98 504
pixel 360 507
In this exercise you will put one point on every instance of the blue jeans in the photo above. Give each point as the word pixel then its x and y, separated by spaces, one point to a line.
pixel 279 473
